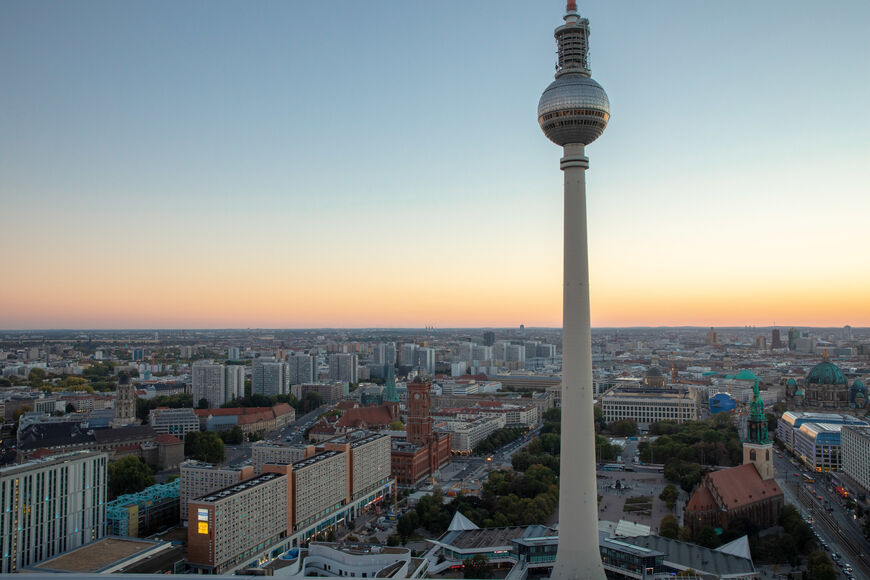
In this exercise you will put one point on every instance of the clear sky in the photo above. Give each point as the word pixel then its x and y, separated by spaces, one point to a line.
pixel 302 164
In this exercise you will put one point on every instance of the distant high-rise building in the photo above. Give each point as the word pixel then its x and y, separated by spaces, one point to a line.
pixel 269 377
pixel 793 336
pixel 390 354
pixel 481 353
pixel 409 351
pixel 234 382
pixel 775 340
pixel 761 342
pixel 547 351
pixel 186 352
pixel 343 367
pixel 488 338
pixel 712 337
pixel 425 359
pixel 125 403
pixel 208 382
pixel 234 353
pixel 301 368
pixel 531 347
pixel 138 354
pixel 51 506
pixel 515 353
pixel 384 353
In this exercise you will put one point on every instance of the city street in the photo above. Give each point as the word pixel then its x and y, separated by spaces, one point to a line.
pixel 235 454
pixel 838 531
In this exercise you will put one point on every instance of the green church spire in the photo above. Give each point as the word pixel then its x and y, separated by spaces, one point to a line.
pixel 390 393
pixel 756 431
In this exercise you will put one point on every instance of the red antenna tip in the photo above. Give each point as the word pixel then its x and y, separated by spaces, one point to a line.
pixel 572 6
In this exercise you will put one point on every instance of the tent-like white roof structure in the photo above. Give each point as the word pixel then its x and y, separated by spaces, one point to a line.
pixel 739 547
pixel 460 523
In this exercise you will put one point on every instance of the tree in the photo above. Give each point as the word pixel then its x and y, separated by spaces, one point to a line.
pixel 598 413
pixel 204 446
pixel 311 401
pixel 397 426
pixel 234 436
pixel 407 524
pixel 128 475
pixel 707 537
pixel 20 411
pixel 36 377
pixel 202 404
pixel 623 428
pixel 669 527
pixel 70 408
pixel 820 567
pixel 477 567
pixel 669 495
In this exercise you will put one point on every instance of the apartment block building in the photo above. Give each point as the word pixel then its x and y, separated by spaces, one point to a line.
pixel 51 505
pixel 344 367
pixel 263 452
pixel 320 486
pixel 199 478
pixel 465 435
pixel 301 368
pixel 229 526
pixel 855 450
pixel 332 392
pixel 369 460
pixel 270 377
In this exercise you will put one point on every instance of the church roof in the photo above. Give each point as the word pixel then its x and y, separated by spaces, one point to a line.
pixel 826 373
pixel 701 500
pixel 740 486
pixel 746 375
pixel 366 417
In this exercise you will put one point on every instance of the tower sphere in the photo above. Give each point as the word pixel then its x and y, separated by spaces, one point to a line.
pixel 573 109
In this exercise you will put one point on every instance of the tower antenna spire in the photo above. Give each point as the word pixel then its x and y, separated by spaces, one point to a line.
pixel 572 6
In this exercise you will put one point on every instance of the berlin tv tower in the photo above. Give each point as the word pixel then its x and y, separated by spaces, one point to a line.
pixel 573 112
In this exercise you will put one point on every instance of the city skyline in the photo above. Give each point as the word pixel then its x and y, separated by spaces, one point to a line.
pixel 176 167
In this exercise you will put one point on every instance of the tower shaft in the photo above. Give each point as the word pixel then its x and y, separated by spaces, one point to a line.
pixel 578 556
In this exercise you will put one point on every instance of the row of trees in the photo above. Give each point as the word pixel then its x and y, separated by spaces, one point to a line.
pixel 306 404
pixel 497 440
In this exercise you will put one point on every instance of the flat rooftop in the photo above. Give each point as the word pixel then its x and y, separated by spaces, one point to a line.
pixel 356 438
pixel 97 555
pixel 238 488
pixel 193 464
pixel 303 463
pixel 48 460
